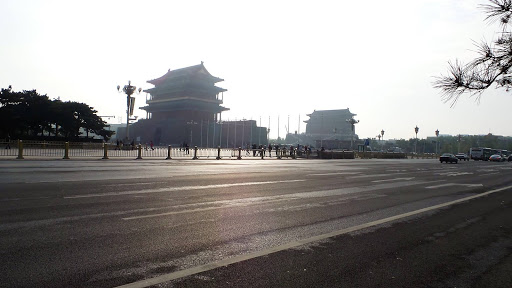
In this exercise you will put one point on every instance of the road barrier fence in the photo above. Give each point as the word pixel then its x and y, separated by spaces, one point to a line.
pixel 69 150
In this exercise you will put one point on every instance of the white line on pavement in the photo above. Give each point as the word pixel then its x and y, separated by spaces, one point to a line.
pixel 338 173
pixel 394 179
pixel 134 184
pixel 183 188
pixel 488 174
pixel 207 267
pixel 454 184
pixel 284 197
pixel 372 175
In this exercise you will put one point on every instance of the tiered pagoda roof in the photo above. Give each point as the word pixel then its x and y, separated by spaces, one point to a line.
pixel 185 73
pixel 190 88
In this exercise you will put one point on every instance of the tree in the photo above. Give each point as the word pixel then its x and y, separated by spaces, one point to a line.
pixel 23 112
pixel 29 115
pixel 492 66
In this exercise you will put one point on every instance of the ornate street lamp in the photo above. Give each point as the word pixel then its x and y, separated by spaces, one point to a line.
pixel 416 129
pixel 352 122
pixel 382 134
pixel 437 139
pixel 130 103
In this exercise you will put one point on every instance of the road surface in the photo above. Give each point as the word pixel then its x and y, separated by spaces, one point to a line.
pixel 255 223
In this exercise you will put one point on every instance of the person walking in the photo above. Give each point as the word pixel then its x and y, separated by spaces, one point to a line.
pixel 270 150
pixel 8 140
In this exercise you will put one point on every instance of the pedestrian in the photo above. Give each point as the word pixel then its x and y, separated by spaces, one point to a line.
pixel 270 150
pixel 187 149
pixel 117 145
pixel 151 145
pixel 8 140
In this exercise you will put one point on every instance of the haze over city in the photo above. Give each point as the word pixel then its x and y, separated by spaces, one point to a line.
pixel 286 58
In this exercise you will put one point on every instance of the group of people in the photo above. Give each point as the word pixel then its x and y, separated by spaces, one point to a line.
pixel 120 145
pixel 185 147
pixel 262 149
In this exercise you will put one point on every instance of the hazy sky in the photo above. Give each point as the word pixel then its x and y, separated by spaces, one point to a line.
pixel 378 58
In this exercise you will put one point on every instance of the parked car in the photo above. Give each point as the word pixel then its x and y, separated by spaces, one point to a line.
pixel 462 156
pixel 496 158
pixel 509 158
pixel 448 158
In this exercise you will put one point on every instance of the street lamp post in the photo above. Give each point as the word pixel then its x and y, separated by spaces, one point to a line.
pixel 458 150
pixel 352 122
pixel 416 129
pixel 130 103
pixel 382 133
pixel 437 139
pixel 191 122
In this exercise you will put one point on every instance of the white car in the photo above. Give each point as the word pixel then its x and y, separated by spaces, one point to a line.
pixel 462 156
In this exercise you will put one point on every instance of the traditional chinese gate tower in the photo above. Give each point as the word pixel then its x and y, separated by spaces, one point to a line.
pixel 184 107
pixel 187 94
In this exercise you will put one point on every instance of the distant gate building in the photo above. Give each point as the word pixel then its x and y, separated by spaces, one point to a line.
pixel 330 128
pixel 184 107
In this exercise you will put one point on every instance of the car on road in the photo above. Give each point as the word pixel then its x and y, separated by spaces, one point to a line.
pixel 462 156
pixel 496 158
pixel 448 158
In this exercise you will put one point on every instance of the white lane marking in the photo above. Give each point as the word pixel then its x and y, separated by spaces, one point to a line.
pixel 132 184
pixel 454 174
pixel 454 184
pixel 207 267
pixel 488 174
pixel 372 175
pixel 183 188
pixel 394 179
pixel 285 197
pixel 338 173
pixel 487 170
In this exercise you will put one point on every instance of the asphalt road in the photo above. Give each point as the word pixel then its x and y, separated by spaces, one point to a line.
pixel 255 223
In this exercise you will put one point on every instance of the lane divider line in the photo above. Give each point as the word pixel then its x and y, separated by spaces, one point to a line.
pixel 183 188
pixel 394 179
pixel 454 184
pixel 210 266
pixel 224 204
pixel 335 173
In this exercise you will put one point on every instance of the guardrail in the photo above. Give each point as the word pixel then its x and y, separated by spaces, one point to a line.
pixel 68 150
